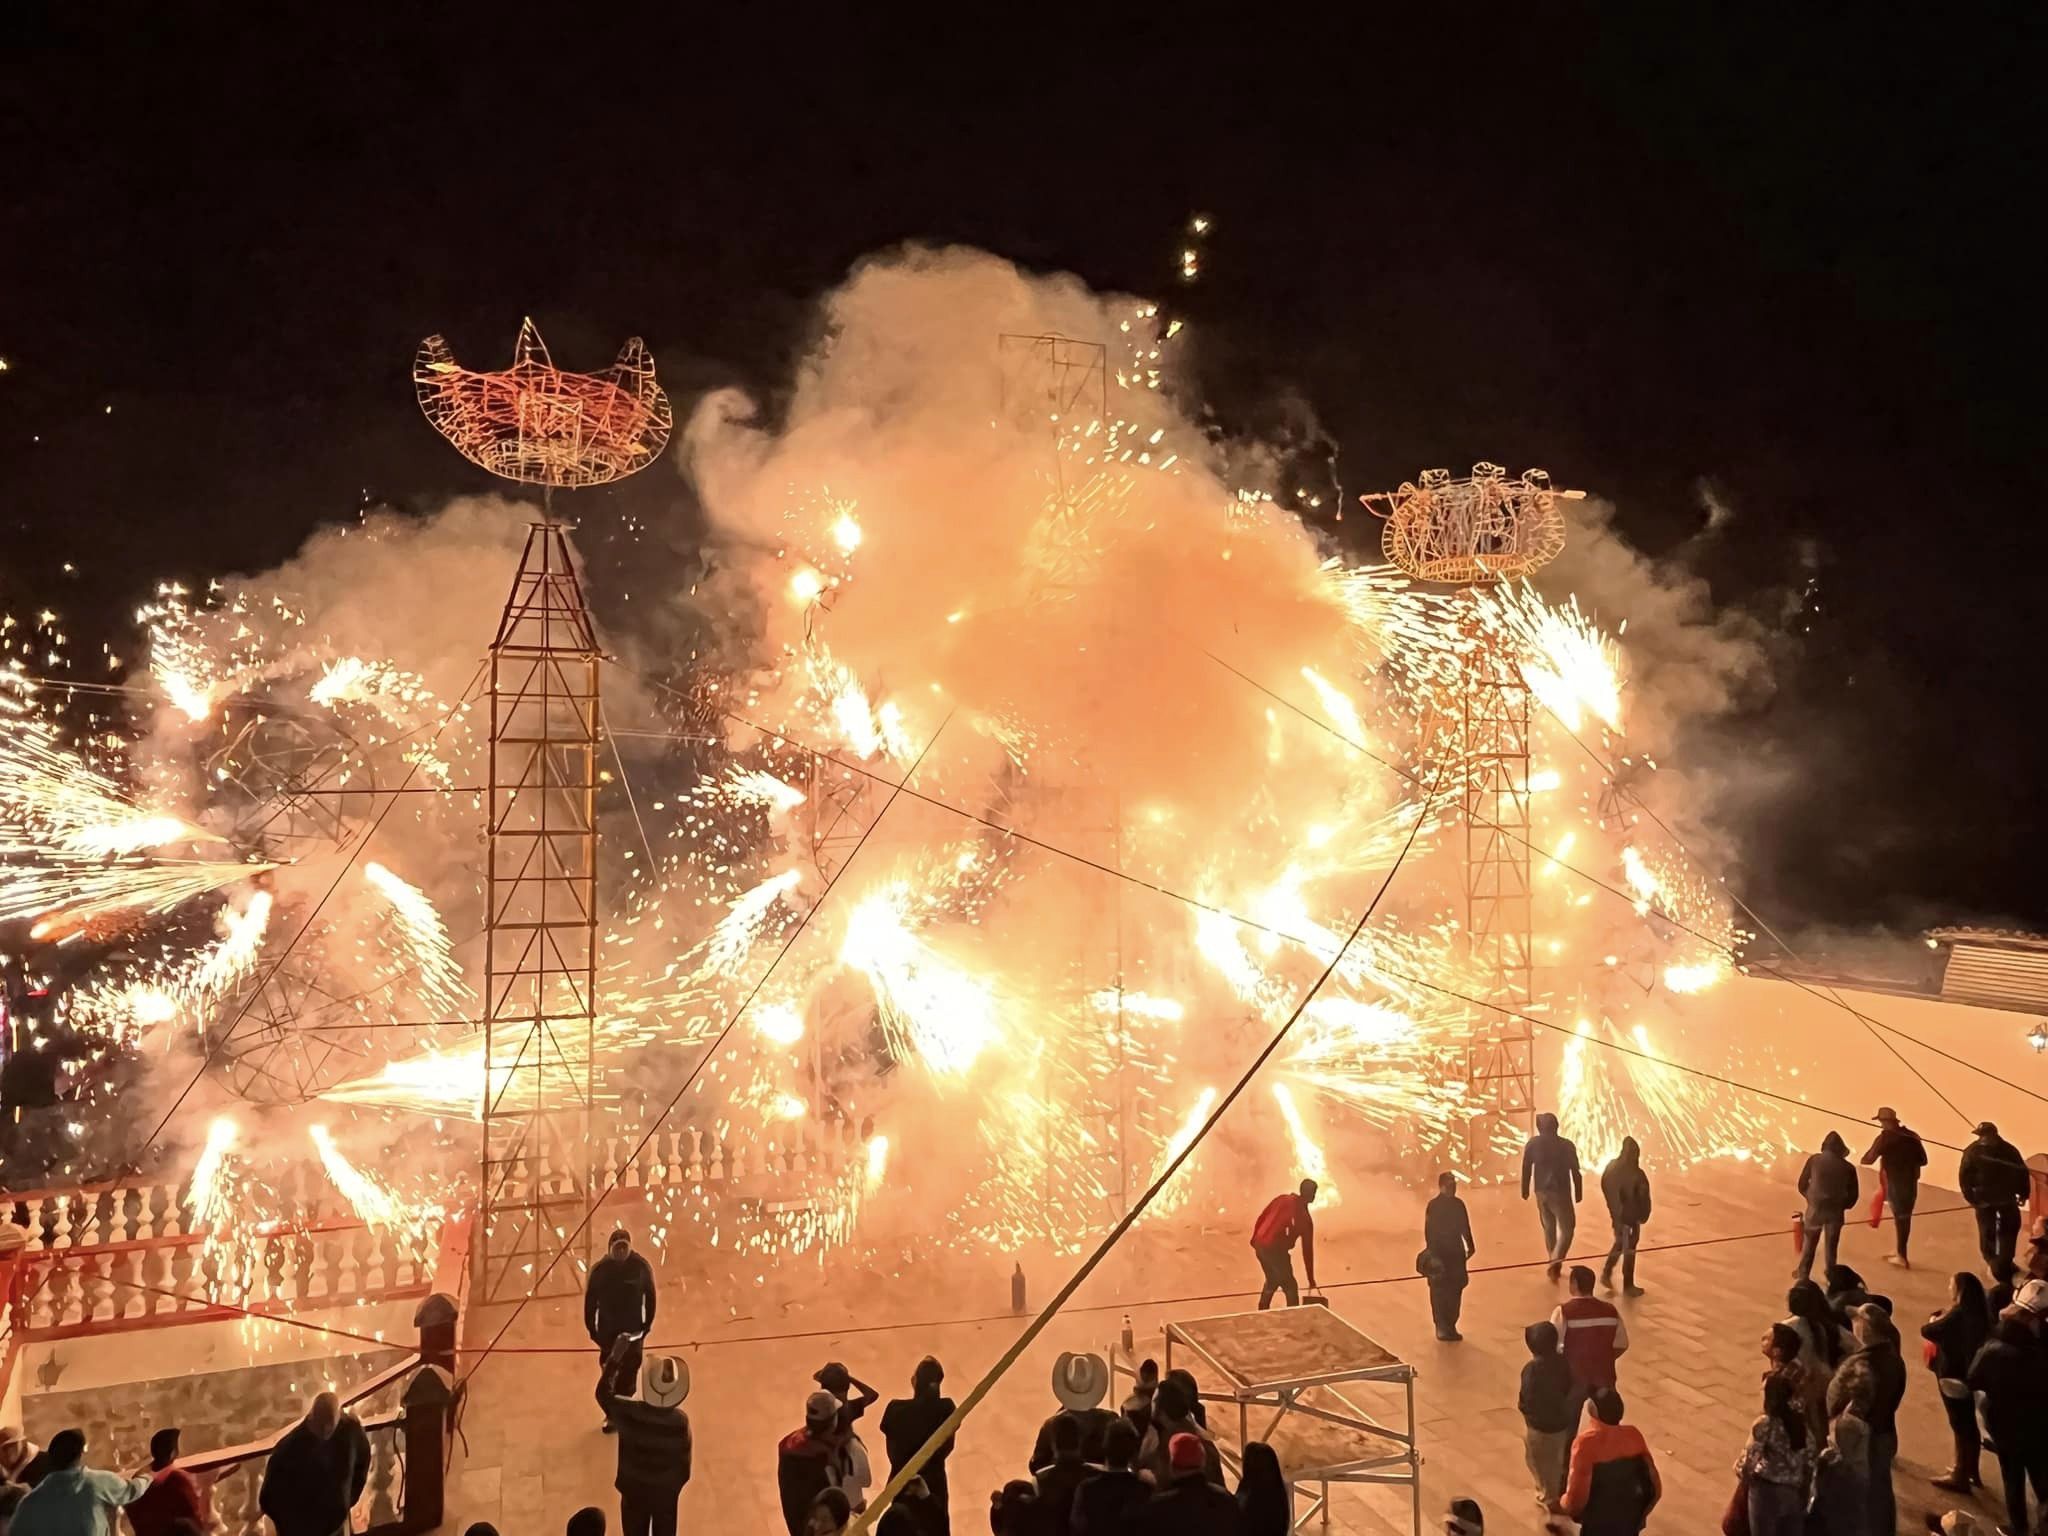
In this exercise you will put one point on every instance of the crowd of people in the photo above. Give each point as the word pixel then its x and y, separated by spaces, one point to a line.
pixel 1818 1460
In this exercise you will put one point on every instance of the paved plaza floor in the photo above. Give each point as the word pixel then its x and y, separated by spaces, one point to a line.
pixel 532 1451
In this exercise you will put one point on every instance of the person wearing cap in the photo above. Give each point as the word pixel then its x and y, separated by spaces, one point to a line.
pixel 1871 1384
pixel 1190 1504
pixel 618 1310
pixel 1993 1178
pixel 1283 1222
pixel 810 1460
pixel 1551 1173
pixel 21 1459
pixel 654 1448
pixel 855 1398
pixel 1080 1382
pixel 910 1421
pixel 1829 1183
pixel 2010 1378
pixel 1899 1157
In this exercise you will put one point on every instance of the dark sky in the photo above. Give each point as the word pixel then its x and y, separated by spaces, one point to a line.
pixel 1794 261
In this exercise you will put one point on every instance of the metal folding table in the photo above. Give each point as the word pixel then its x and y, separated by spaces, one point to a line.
pixel 1282 1371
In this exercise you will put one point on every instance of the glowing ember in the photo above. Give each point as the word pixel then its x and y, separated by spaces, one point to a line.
pixel 370 1199
pixel 423 938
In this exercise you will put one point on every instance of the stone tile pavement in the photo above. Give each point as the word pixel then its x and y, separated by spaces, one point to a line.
pixel 532 1452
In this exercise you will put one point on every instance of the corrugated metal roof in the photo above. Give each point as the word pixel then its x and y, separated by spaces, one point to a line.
pixel 2003 975
pixel 1996 938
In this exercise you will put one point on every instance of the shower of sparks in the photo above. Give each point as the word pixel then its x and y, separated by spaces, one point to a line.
pixel 78 809
pixel 778 1023
pixel 752 786
pixel 1342 712
pixel 233 956
pixel 877 1162
pixel 1308 1156
pixel 205 1192
pixel 69 894
pixel 1180 1187
pixel 1689 978
pixel 413 1225
pixel 423 939
pixel 732 941
pixel 1569 664
pixel 932 1011
pixel 1641 878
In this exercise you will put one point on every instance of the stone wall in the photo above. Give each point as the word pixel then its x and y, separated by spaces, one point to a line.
pixel 214 1409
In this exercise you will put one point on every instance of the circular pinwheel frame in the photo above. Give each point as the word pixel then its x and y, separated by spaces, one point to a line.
pixel 536 424
pixel 292 1031
pixel 1481 529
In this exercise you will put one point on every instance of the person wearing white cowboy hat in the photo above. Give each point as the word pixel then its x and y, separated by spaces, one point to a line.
pixel 1080 1382
pixel 654 1448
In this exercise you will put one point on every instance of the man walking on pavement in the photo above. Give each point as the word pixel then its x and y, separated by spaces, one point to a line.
pixel 1550 1170
pixel 1447 1246
pixel 618 1309
pixel 1899 1158
pixel 1993 1178
pixel 1284 1220
pixel 1626 1188
pixel 1831 1188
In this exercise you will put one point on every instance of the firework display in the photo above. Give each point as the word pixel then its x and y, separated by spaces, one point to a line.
pixel 1033 770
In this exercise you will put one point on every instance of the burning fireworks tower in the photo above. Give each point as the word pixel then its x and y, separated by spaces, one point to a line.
pixel 539 425
pixel 1473 532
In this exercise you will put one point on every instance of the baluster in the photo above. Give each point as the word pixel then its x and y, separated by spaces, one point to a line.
pixel 174 1267
pixel 385 1488
pixel 693 1170
pixel 60 1236
pixel 145 1213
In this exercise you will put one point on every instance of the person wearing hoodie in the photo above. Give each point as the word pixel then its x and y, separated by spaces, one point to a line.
pixel 1899 1157
pixel 1957 1332
pixel 1550 1172
pixel 618 1310
pixel 654 1448
pixel 1626 1188
pixel 910 1421
pixel 810 1460
pixel 1992 1177
pixel 1829 1183
pixel 1549 1403
pixel 1871 1384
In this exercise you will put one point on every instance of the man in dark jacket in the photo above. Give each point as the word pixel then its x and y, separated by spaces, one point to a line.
pixel 654 1448
pixel 1550 1171
pixel 1899 1157
pixel 1447 1245
pixel 809 1460
pixel 1626 1188
pixel 1060 1479
pixel 2011 1372
pixel 1104 1503
pixel 1993 1179
pixel 618 1309
pixel 317 1472
pixel 1829 1183
pixel 1080 1382
pixel 1190 1504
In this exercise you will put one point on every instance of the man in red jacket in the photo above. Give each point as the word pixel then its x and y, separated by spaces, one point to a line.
pixel 1284 1220
pixel 1591 1333
pixel 173 1492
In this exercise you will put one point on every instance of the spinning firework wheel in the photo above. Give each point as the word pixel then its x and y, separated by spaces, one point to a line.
pixel 283 780
pixel 292 1032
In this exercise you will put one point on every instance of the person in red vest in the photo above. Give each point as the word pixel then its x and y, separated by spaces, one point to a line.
pixel 1284 1220
pixel 1592 1336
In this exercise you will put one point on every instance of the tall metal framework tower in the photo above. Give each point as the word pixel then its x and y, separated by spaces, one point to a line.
pixel 1463 533
pixel 539 425
pixel 540 968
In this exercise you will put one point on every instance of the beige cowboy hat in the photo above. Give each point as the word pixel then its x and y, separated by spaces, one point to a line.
pixel 1080 1381
pixel 665 1382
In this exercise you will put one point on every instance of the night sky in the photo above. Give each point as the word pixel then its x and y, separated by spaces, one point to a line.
pixel 1789 267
